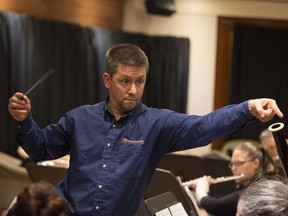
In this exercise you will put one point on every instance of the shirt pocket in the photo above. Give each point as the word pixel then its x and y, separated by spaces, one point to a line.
pixel 130 161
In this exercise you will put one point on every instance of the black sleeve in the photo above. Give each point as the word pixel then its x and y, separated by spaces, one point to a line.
pixel 223 206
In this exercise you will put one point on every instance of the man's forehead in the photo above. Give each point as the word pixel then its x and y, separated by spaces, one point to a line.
pixel 134 71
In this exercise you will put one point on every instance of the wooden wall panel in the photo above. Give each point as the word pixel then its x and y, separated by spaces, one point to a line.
pixel 101 13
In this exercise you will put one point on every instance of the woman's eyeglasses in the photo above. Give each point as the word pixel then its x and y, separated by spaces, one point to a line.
pixel 237 163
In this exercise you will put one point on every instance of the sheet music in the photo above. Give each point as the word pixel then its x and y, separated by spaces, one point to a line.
pixel 178 210
pixel 164 212
pixel 174 210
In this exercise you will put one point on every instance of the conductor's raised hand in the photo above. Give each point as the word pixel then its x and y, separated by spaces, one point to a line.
pixel 264 109
pixel 19 106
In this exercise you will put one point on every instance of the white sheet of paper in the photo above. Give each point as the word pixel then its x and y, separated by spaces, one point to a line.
pixel 164 212
pixel 178 210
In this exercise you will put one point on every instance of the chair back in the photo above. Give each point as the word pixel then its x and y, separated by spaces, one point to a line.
pixel 45 173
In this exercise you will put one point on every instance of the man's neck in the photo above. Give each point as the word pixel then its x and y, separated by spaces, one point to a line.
pixel 116 114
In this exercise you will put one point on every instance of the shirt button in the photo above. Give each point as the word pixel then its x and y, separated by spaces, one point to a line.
pixel 97 207
pixel 104 165
pixel 108 144
pixel 100 186
pixel 113 125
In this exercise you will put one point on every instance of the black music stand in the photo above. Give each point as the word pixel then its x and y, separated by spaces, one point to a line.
pixel 164 181
pixel 160 202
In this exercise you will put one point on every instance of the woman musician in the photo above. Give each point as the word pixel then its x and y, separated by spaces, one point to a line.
pixel 250 161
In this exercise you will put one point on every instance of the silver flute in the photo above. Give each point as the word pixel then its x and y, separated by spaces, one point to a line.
pixel 215 180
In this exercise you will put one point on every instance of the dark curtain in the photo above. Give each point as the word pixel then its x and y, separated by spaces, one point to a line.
pixel 30 46
pixel 259 69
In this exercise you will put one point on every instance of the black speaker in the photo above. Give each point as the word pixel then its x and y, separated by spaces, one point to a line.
pixel 160 7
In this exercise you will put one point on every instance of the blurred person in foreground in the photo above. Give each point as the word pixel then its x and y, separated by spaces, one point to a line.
pixel 39 199
pixel 266 197
pixel 248 159
pixel 115 145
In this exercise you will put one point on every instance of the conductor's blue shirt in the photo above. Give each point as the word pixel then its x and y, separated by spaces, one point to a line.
pixel 112 162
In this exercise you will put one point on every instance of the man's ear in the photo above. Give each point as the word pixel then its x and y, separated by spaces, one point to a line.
pixel 106 80
pixel 257 162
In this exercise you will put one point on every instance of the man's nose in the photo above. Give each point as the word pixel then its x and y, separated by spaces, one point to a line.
pixel 133 89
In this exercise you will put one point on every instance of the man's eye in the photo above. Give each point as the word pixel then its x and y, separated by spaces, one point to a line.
pixel 140 81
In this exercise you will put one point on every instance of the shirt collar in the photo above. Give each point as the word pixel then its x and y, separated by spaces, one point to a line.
pixel 140 107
